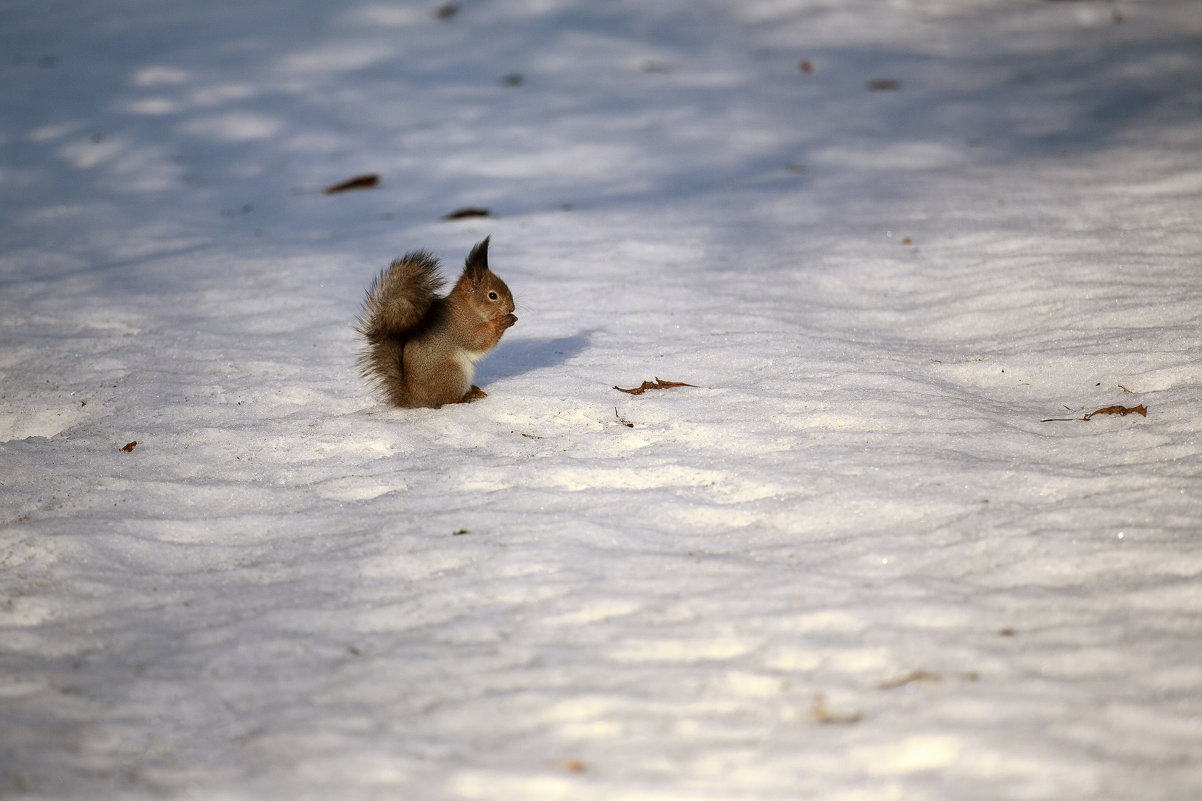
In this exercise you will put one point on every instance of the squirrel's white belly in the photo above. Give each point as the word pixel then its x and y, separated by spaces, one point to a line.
pixel 466 359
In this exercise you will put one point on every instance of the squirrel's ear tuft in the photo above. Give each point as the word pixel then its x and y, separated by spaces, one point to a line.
pixel 477 260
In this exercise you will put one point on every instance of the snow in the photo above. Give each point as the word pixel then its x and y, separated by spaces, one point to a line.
pixel 851 563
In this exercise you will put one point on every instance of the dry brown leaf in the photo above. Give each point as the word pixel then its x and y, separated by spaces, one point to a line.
pixel 466 212
pixel 1121 411
pixel 659 384
pixel 366 181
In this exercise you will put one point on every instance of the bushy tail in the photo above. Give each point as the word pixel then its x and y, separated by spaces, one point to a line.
pixel 399 298
pixel 398 307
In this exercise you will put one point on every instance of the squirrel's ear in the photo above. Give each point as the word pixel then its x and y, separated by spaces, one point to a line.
pixel 477 260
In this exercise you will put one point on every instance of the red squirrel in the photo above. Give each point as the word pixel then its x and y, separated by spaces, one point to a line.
pixel 421 349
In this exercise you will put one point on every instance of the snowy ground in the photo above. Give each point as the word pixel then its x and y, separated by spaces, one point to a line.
pixel 852 563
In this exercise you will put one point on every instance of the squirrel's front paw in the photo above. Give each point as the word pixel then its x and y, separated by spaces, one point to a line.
pixel 475 393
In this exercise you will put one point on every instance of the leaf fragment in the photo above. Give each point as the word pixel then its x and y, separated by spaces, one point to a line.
pixel 659 384
pixel 1121 411
pixel 883 85
pixel 366 181
pixel 467 212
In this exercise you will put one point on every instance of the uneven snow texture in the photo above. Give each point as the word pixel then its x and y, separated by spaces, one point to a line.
pixel 885 239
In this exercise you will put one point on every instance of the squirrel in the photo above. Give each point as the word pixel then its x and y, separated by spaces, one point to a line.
pixel 421 349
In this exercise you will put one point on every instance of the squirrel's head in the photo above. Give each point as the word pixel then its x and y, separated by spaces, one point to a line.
pixel 490 295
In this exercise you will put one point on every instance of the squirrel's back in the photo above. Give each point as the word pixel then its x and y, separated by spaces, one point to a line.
pixel 421 348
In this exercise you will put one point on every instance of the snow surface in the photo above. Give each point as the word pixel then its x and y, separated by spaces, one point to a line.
pixel 852 563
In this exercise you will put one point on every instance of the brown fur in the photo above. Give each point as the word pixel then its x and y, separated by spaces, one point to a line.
pixel 422 349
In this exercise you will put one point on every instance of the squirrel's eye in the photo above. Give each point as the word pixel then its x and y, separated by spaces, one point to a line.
pixel 492 295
